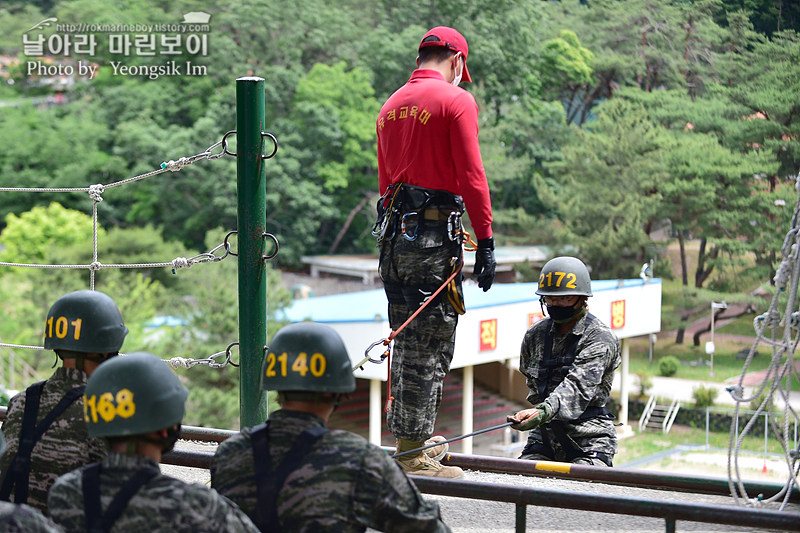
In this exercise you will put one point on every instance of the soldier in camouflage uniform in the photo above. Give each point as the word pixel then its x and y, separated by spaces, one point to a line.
pixel 137 402
pixel 429 172
pixel 293 474
pixel 84 328
pixel 19 518
pixel 568 360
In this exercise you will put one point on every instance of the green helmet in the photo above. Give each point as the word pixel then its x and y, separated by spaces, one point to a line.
pixel 564 276
pixel 84 321
pixel 307 357
pixel 131 395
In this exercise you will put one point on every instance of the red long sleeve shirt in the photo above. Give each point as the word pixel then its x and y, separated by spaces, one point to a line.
pixel 428 137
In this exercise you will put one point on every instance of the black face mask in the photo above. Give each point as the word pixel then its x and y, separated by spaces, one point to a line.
pixel 561 314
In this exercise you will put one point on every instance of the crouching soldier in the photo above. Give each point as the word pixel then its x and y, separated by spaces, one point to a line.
pixel 568 360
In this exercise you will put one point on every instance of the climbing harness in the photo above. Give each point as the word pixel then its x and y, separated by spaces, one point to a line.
pixel 96 520
pixel 418 205
pixel 386 355
pixel 268 481
pixel 554 370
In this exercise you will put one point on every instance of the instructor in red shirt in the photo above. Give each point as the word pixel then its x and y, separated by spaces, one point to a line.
pixel 430 171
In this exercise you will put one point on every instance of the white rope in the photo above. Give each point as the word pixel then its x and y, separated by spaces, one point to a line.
pixel 777 380
pixel 21 346
pixel 95 192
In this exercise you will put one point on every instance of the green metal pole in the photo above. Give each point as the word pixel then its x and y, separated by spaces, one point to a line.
pixel 252 221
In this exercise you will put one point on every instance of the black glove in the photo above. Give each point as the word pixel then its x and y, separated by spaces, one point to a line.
pixel 485 263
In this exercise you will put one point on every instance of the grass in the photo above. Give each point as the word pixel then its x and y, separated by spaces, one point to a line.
pixel 647 443
pixel 696 364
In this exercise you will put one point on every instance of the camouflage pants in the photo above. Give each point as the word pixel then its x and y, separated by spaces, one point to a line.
pixel 593 436
pixel 423 351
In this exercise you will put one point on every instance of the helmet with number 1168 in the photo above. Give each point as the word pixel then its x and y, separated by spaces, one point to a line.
pixel 564 276
pixel 133 394
pixel 307 357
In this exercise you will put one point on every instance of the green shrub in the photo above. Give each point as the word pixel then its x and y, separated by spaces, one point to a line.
pixel 704 396
pixel 668 366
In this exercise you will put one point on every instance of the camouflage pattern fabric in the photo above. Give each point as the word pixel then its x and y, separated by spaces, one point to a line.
pixel 423 351
pixel 23 519
pixel 64 447
pixel 163 504
pixel 345 484
pixel 587 384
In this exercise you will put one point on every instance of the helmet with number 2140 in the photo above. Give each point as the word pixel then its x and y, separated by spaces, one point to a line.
pixel 307 357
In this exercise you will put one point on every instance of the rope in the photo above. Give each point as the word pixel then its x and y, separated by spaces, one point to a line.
pixel 175 264
pixel 460 437
pixel 95 193
pixel 779 374
pixel 174 362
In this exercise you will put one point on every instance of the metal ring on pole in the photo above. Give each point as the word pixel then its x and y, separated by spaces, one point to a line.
pixel 225 143
pixel 227 244
pixel 277 246
pixel 274 143
pixel 228 354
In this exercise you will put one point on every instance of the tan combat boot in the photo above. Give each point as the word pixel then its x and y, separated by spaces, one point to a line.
pixel 437 453
pixel 421 464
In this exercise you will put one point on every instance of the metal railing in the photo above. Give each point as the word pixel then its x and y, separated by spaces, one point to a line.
pixel 521 497
pixel 648 410
pixel 671 414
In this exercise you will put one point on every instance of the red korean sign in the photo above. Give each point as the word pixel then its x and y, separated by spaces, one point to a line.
pixel 618 314
pixel 488 339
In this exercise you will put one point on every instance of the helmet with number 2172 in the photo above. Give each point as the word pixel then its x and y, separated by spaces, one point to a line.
pixel 564 276
pixel 307 357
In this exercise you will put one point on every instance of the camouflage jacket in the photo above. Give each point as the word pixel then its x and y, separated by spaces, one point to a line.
pixel 345 484
pixel 587 382
pixel 19 518
pixel 163 504
pixel 64 447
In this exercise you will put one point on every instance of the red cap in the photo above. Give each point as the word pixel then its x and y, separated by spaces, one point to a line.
pixel 450 39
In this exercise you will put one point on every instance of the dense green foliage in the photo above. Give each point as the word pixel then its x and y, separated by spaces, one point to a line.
pixel 602 122
pixel 668 366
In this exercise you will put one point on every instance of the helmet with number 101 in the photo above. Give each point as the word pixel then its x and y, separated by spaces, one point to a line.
pixel 564 276
pixel 84 321
pixel 131 395
pixel 307 357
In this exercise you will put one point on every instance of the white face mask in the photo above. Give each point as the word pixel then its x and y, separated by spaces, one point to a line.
pixel 457 79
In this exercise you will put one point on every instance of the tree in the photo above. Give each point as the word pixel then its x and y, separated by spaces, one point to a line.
pixel 333 117
pixel 28 237
pixel 605 190
pixel 764 112
pixel 567 74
